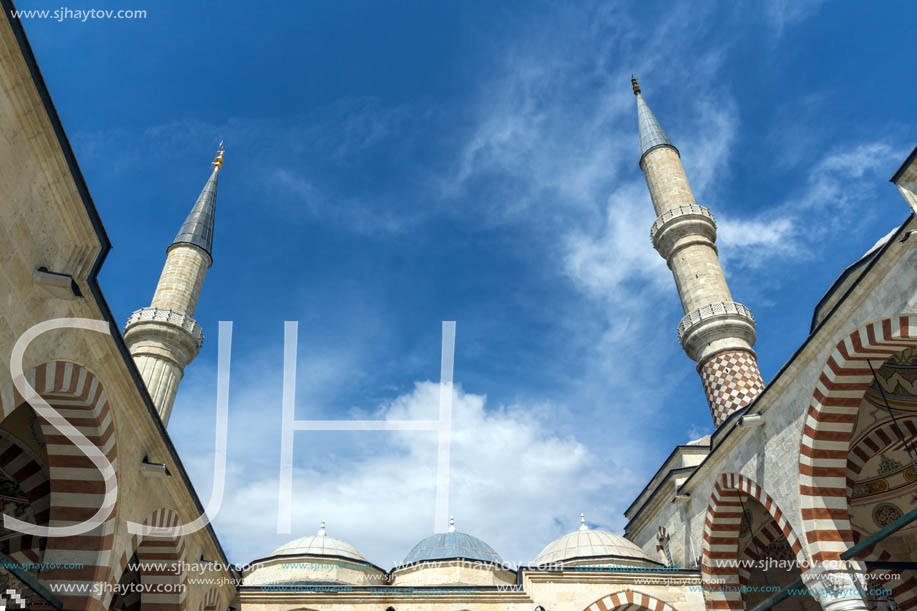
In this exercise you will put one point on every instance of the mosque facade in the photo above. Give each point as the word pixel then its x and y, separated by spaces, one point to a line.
pixel 803 497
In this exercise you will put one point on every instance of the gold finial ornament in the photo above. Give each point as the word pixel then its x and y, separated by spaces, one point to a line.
pixel 218 162
pixel 633 81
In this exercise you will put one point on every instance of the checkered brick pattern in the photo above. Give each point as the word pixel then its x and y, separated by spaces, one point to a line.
pixel 731 380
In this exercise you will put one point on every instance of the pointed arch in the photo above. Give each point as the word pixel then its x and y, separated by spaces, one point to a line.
pixel 720 550
pixel 77 488
pixel 160 562
pixel 31 475
pixel 882 438
pixel 767 535
pixel 828 427
pixel 629 600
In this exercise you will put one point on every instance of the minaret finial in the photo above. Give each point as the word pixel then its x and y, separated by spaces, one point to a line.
pixel 452 524
pixel 218 162
pixel 633 81
pixel 582 522
pixel 321 531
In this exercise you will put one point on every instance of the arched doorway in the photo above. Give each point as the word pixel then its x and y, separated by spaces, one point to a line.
pixel 856 469
pixel 25 489
pixel 749 550
pixel 76 487
pixel 154 577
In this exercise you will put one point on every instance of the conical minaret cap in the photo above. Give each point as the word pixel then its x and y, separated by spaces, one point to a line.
pixel 651 132
pixel 198 227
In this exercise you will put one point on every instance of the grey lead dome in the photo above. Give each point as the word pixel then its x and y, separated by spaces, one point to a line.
pixel 452 545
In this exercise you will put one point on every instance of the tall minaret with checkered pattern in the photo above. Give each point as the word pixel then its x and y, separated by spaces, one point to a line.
pixel 716 332
pixel 164 338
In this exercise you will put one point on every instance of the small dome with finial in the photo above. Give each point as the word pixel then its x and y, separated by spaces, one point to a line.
pixel 452 544
pixel 587 542
pixel 320 559
pixel 319 544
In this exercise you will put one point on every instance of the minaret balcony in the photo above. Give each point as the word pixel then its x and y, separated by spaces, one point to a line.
pixel 179 319
pixel 164 333
pixel 715 327
pixel 682 226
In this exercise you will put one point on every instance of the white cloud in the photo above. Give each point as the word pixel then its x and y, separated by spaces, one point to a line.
pixel 605 260
pixel 758 242
pixel 515 483
pixel 832 198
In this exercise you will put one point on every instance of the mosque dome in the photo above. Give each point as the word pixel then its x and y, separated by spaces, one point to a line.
pixel 452 544
pixel 452 559
pixel 586 543
pixel 319 545
pixel 320 559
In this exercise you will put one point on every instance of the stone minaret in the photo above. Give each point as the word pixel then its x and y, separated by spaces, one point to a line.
pixel 164 337
pixel 716 332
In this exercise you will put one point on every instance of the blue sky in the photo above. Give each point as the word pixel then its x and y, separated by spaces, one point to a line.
pixel 393 165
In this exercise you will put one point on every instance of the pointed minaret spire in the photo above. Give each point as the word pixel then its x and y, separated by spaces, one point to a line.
pixel 164 337
pixel 651 133
pixel 716 332
pixel 198 227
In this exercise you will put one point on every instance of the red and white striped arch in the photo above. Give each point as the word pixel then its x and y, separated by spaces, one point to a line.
pixel 31 474
pixel 629 601
pixel 829 424
pixel 164 560
pixel 161 563
pixel 883 437
pixel 77 488
pixel 720 549
pixel 766 535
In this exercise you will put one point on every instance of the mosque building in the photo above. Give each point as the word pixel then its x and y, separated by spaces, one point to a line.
pixel 812 473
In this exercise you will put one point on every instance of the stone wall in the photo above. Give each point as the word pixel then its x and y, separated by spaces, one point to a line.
pixel 44 222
